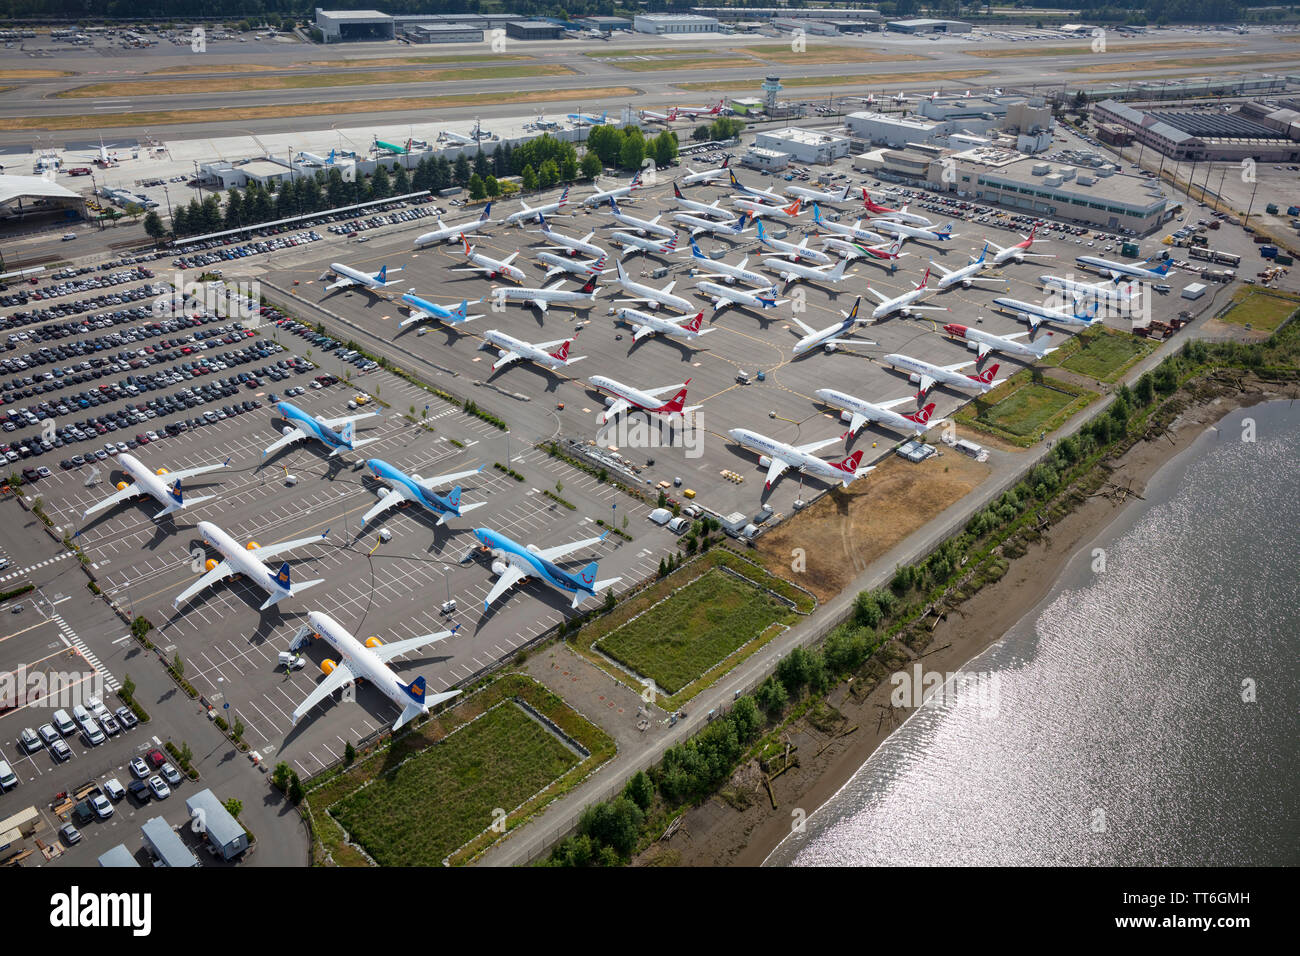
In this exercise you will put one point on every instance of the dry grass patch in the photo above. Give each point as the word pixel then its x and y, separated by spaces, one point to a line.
pixel 1171 63
pixel 856 79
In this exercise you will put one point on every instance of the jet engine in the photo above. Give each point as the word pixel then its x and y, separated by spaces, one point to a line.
pixel 210 564
pixel 252 546
pixel 161 471
pixel 122 486
pixel 764 461
pixel 327 667
pixel 373 642
pixel 286 430
pixel 499 567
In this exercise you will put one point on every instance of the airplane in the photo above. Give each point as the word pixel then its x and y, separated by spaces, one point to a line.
pixel 320 428
pixel 393 147
pixel 928 376
pixel 1102 290
pixel 985 342
pixel 543 297
pixel 713 210
pixel 596 198
pixel 562 264
pixel 1084 313
pixel 674 326
pixel 1019 251
pixel 831 337
pixel 511 349
pixel 314 160
pixel 789 249
pixel 888 252
pixel 706 175
pixel 460 139
pixel 891 228
pixel 760 209
pixel 725 271
pixel 512 562
pixel 452 233
pixel 903 303
pixel 723 297
pixel 817 195
pixel 582 119
pixel 967 274
pixel 732 227
pixel 404 487
pixel 854 232
pixel 1118 270
pixel 369 662
pixel 146 482
pixel 348 277
pixel 898 215
pixel 858 412
pixel 478 262
pixel 777 456
pixel 248 561
pixel 530 212
pixel 655 247
pixel 791 272
pixel 422 310
pixel 691 112
pixel 899 98
pixel 625 398
pixel 776 199
pixel 652 117
pixel 642 226
pixel 652 297
pixel 568 243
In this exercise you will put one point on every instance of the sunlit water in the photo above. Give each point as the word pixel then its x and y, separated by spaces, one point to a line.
pixel 1117 732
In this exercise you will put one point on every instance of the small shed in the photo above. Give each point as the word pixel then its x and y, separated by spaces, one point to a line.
pixel 118 856
pixel 224 834
pixel 163 842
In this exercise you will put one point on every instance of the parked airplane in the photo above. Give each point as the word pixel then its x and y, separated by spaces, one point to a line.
pixel 776 199
pixel 460 139
pixel 145 482
pixel 985 342
pixel 452 233
pixel 903 303
pixel 248 561
pixel 723 296
pixel 422 310
pixel 1083 312
pixel 706 175
pixel 791 272
pixel 732 227
pixel 854 232
pixel 494 268
pixel 368 662
pixel 889 252
pixel 713 210
pixel 392 147
pixel 817 195
pixel 348 277
pixel 831 337
pixel 544 297
pixel 777 456
pixel 582 119
pixel 625 398
pixel 928 375
pixel 652 117
pixel 1019 251
pixel 528 213
pixel 725 271
pixel 511 349
pixel 891 228
pixel 1118 270
pixel 596 198
pixel 1099 290
pixel 677 326
pixel 692 112
pixel 790 250
pixel 857 412
pixel 642 226
pixel 759 209
pixel 652 297
pixel 562 264
pixel 897 215
pixel 571 246
pixel 630 243
pixel 403 487
pixel 513 562
pixel 320 428
pixel 967 275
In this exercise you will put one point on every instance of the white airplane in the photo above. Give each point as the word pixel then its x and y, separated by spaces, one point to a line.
pixel 596 198
pixel 642 226
pixel 650 116
pixel 691 112
pixel 1098 290
pixel 857 412
pixel 791 272
pixel 674 326
pixel 854 232
pixel 706 175
pixel 460 139
pixel 625 398
pixel 652 297
pixel 248 562
pixel 984 342
pixel 511 349
pixel 494 268
pixel 897 215
pixel 1085 312
pixel 1118 270
pixel 655 247
pixel 452 233
pixel 544 297
pixel 818 195
pixel 422 310
pixel 766 195
pixel 790 250
pixel 713 210
pixel 723 296
pixel 967 275
pixel 528 213
pixel 732 227
pixel 889 252
pixel 928 375
pixel 348 277
pixel 759 209
pixel 1019 251
pixel 903 303
pixel 320 428
pixel 891 228
pixel 513 562
pixel 584 119
pixel 725 271
pixel 832 337
pixel 402 487
pixel 563 264
pixel 777 456
pixel 166 493
pixel 368 662
pixel 571 246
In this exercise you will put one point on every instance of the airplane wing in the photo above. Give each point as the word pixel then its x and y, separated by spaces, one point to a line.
pixel 129 491
pixel 777 468
pixel 386 652
pixel 192 472
pixel 882 298
pixel 816 445
pixel 509 578
pixel 895 402
pixel 271 550
pixel 541 304
pixel 438 481
pixel 666 390
pixel 393 497
pixel 560 550
pixel 618 408
pixel 958 367
pixel 859 420
pixel 296 435
pixel 505 359
pixel 341 283
pixel 220 572
pixel 342 674
pixel 840 340
pixel 641 332
pixel 340 422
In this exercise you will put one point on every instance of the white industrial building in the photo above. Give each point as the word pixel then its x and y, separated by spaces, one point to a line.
pixel 804 145
pixel 661 23
pixel 22 196
pixel 770 159
pixel 339 26
pixel 929 26
pixel 891 129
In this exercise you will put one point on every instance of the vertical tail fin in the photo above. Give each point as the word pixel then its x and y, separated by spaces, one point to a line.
pixel 382 274
pixel 453 497
pixel 564 196
pixel 415 691
pixel 562 353
pixel 677 192
pixel 349 433
pixel 282 577
pixel 817 214
pixel 922 416
pixel 590 287
pixel 694 324
pixel 675 404
pixel 838 271
pixel 850 464
pixel 986 376
pixel 486 210
pixel 176 494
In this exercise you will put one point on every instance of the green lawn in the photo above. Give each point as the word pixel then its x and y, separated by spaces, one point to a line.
pixel 1104 356
pixel 1261 310
pixel 689 632
pixel 1029 410
pixel 439 799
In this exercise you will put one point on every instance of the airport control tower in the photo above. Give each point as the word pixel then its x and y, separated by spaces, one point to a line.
pixel 771 87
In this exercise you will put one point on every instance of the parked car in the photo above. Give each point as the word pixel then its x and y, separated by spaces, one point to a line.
pixel 140 790
pixel 170 774
pixel 139 769
pixel 158 787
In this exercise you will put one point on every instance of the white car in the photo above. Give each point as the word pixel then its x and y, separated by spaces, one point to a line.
pixel 103 809
pixel 159 788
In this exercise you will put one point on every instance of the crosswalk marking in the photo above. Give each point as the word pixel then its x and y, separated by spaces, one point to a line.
pixel 35 567
pixel 110 682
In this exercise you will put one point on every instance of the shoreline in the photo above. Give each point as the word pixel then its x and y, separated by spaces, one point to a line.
pixel 715 834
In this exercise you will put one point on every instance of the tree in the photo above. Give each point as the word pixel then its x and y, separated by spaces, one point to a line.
pixel 640 789
pixel 237 731
pixel 127 690
pixel 591 166
pixel 381 187
pixel 462 171
pixel 178 665
pixel 349 754
pixel 280 776
pixel 616 824
pixel 296 792
pixel 664 148
pixel 187 755
pixel 153 226
pixel 701 133
pixel 491 186
pixel 476 189
pixel 632 153
pixel 481 163
pixel 234 806
pixel 549 174
pixel 569 168
pixel 529 177
pixel 401 181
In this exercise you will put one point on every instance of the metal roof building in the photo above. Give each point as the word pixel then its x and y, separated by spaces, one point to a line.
pixel 162 840
pixel 118 856
pixel 351 25
pixel 30 195
pixel 223 832
pixel 924 25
